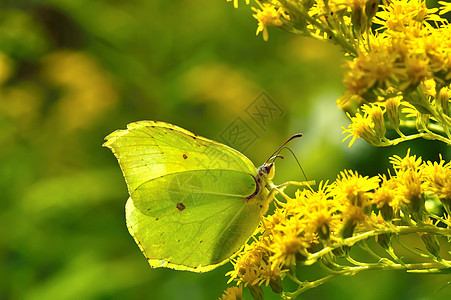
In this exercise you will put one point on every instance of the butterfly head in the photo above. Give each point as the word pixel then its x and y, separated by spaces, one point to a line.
pixel 267 171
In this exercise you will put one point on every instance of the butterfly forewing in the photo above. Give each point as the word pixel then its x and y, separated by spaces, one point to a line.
pixel 188 208
pixel 149 149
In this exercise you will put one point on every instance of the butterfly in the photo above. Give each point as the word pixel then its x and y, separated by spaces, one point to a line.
pixel 193 202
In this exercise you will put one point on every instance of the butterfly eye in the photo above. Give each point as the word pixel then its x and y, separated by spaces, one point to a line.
pixel 271 171
pixel 268 168
pixel 265 169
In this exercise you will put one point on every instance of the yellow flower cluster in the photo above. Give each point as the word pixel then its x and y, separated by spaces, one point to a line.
pixel 233 293
pixel 299 230
pixel 371 120
pixel 398 75
pixel 405 50
pixel 398 50
pixel 269 15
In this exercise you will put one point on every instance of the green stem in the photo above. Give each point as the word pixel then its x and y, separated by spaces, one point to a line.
pixel 439 219
pixel 427 135
pixel 398 230
pixel 408 267
pixel 350 271
pixel 304 286
pixel 417 253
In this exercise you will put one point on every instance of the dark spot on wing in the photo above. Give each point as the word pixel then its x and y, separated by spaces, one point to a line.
pixel 184 156
pixel 180 206
pixel 201 242
pixel 156 219
pixel 178 241
pixel 161 233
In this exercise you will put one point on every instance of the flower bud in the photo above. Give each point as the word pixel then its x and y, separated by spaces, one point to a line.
pixel 357 19
pixel 377 116
pixel 368 134
pixel 422 121
pixel 256 292
pixel 276 285
pixel 371 7
pixel 324 232
pixel 387 212
pixel 342 251
pixel 392 107
pixel 444 101
pixel 348 229
pixel 431 243
pixel 384 240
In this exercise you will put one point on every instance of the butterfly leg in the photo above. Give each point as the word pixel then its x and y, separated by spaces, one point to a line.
pixel 297 183
pixel 280 188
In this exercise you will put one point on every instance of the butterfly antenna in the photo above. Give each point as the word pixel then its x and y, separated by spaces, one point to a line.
pixel 276 156
pixel 281 147
pixel 295 157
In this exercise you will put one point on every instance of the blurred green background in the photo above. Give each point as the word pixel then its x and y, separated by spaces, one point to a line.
pixel 73 71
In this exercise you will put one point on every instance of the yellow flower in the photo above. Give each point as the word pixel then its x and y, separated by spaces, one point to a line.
pixel 417 69
pixel 270 222
pixel 428 87
pixel 399 14
pixel 445 7
pixel 410 179
pixel 319 211
pixel 289 243
pixel 350 188
pixel 388 198
pixel 361 127
pixel 356 81
pixel 385 194
pixel 444 99
pixel 270 273
pixel 377 220
pixel 436 45
pixel 407 163
pixel 392 108
pixel 268 15
pixel 233 293
pixel 439 177
pixel 354 213
pixel 247 265
pixel 376 114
